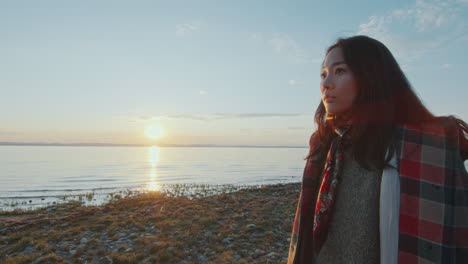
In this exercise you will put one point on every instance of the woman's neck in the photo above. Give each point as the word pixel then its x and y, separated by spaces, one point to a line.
pixel 339 120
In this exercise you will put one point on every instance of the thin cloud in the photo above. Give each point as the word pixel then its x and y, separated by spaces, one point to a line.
pixel 187 28
pixel 430 15
pixel 446 66
pixel 202 92
pixel 256 36
pixel 219 116
pixel 9 133
pixel 419 30
pixel 285 45
pixel 145 117
pixel 160 117
pixel 294 82
pixel 375 26
pixel 194 117
pixel 252 115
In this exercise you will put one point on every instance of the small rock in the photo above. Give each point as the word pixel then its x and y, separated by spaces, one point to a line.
pixel 228 240
pixel 270 255
pixel 251 226
pixel 237 256
pixel 208 234
pixel 202 258
pixel 83 240
pixel 72 251
pixel 28 250
pixel 122 235
pixel 257 235
pixel 257 253
pixel 128 250
pixel 157 243
pixel 105 260
pixel 170 249
pixel 279 244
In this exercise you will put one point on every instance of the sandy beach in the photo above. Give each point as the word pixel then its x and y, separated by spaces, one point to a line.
pixel 247 226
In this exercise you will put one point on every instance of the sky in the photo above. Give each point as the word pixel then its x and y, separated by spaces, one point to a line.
pixel 206 72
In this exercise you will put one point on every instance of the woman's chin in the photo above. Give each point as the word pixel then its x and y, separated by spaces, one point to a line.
pixel 335 111
pixel 332 113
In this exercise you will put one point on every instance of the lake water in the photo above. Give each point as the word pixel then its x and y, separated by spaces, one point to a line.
pixel 35 176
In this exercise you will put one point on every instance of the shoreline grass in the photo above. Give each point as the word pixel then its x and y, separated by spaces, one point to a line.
pixel 95 198
pixel 250 225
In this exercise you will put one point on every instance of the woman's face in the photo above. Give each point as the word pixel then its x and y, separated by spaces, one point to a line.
pixel 338 86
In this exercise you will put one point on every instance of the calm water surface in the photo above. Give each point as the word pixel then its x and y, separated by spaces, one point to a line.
pixel 32 176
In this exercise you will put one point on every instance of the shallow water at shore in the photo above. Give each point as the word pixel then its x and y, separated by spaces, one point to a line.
pixel 37 176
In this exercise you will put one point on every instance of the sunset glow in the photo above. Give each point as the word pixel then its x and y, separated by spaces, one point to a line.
pixel 152 184
pixel 154 132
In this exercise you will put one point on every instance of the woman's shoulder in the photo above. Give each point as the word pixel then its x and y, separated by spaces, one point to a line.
pixel 441 125
pixel 448 131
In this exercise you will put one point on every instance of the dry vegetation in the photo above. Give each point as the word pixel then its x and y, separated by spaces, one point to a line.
pixel 247 226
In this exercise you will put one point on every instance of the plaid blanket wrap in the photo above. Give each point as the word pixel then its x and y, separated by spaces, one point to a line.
pixel 433 224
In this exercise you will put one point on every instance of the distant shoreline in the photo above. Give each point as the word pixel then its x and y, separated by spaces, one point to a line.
pixel 138 145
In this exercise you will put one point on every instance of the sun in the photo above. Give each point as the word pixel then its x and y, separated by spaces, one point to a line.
pixel 154 131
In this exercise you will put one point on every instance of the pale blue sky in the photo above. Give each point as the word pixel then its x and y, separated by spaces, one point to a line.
pixel 207 72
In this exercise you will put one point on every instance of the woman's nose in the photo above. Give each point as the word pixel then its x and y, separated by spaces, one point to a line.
pixel 326 84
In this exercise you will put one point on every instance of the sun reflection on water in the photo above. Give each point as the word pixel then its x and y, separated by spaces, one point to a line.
pixel 153 184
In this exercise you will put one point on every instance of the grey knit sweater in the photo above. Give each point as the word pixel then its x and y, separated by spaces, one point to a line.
pixel 353 235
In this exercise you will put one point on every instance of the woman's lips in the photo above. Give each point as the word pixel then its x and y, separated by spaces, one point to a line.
pixel 329 99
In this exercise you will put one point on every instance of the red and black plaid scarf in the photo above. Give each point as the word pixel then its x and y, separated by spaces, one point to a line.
pixel 325 204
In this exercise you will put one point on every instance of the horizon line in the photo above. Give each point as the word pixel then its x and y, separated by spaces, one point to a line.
pixel 140 145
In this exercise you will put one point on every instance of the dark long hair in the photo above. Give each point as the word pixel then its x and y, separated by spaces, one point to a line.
pixel 384 100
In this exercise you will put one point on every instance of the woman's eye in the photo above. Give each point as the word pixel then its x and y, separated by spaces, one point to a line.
pixel 322 75
pixel 339 70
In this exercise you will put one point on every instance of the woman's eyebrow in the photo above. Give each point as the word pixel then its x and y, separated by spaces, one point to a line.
pixel 334 64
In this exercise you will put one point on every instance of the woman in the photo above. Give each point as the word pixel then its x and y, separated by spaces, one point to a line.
pixel 384 180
